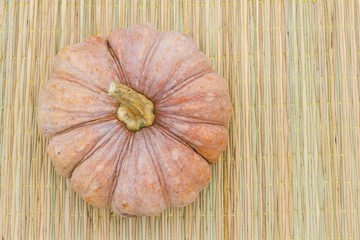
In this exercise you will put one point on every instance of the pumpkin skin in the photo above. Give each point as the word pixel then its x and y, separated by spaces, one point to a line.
pixel 135 172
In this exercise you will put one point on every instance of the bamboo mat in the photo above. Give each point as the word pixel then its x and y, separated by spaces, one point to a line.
pixel 291 170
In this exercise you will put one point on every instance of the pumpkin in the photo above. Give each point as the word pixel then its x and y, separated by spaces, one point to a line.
pixel 135 120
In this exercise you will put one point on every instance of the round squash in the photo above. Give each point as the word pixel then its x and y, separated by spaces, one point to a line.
pixel 135 120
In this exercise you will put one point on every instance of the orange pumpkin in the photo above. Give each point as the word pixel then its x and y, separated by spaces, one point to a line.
pixel 135 120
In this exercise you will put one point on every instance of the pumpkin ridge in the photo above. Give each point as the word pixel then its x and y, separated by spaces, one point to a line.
pixel 120 69
pixel 180 139
pixel 120 160
pixel 137 183
pixel 149 56
pixel 164 93
pixel 158 168
pixel 59 144
pixel 183 84
pixel 172 136
pixel 103 118
pixel 96 147
pixel 66 77
pixel 199 146
pixel 160 87
pixel 87 157
pixel 136 197
pixel 79 113
pixel 184 118
pixel 92 52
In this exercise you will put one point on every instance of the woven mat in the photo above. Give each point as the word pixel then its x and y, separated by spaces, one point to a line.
pixel 292 167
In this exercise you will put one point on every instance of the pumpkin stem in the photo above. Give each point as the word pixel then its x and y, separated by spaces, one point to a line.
pixel 135 110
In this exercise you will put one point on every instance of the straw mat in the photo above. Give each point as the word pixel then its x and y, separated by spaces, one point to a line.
pixel 292 166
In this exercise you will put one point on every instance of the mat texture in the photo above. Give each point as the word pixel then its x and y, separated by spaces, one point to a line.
pixel 292 167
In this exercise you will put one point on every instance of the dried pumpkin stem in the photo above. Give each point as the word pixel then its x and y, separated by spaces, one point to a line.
pixel 135 110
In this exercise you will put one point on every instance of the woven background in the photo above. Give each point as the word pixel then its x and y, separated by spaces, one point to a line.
pixel 292 167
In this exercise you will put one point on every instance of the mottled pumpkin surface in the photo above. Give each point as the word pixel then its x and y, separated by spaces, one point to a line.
pixel 135 172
